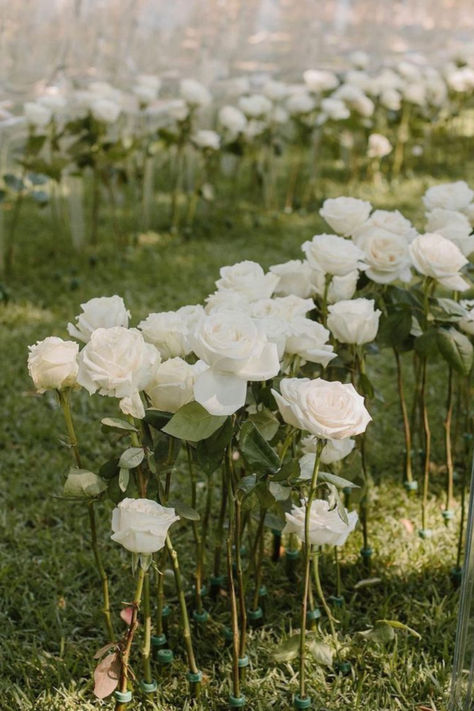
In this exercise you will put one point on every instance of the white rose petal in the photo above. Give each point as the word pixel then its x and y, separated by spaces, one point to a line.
pixel 345 214
pixel 100 312
pixel 333 255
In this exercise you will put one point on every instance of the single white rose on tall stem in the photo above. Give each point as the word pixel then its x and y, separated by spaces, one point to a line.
pixel 52 364
pixel 141 525
pixel 326 527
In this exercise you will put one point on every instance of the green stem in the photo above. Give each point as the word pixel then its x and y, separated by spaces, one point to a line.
pixel 448 444
pixel 405 418
pixel 233 607
pixel 338 572
pixel 146 649
pixel 327 609
pixel 125 655
pixel 196 533
pixel 427 436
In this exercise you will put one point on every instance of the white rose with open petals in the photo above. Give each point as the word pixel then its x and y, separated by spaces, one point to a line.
pixel 255 106
pixel 389 221
pixel 309 340
pixel 118 363
pixel 100 312
pixel 105 110
pixel 232 120
pixel 334 109
pixel 248 279
pixel 390 99
pixel 437 257
pixel 167 331
pixel 300 102
pixel 379 146
pixel 141 525
pixel 237 351
pixel 354 321
pixel 333 255
pixel 52 364
pixel 454 226
pixel 340 288
pixel 385 253
pixel 449 196
pixel 294 278
pixel 207 140
pixel 319 80
pixel 194 93
pixel 227 300
pixel 333 451
pixel 326 527
pixel 172 385
pixel 345 214
pixel 37 115
pixel 326 409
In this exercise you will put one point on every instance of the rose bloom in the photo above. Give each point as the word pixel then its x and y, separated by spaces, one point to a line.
pixel 227 300
pixel 52 364
pixel 209 140
pixel 340 288
pixel 308 340
pixel 141 525
pixel 389 221
pixel 454 226
pixel 194 93
pixel 385 253
pixel 255 106
pixel 334 109
pixel 326 409
pixel 437 257
pixel 466 324
pixel 379 146
pixel 232 120
pixel 355 321
pixel 167 331
pixel 237 351
pixel 248 279
pixel 333 451
pixel 319 80
pixel 118 363
pixel 172 385
pixel 275 90
pixel 333 255
pixel 105 110
pixel 276 330
pixel 449 196
pixel 300 102
pixel 390 99
pixel 37 115
pixel 326 527
pixel 284 307
pixel 294 278
pixel 100 312
pixel 345 214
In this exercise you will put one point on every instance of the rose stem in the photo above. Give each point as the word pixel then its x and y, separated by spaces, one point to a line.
pixel 233 605
pixel 66 408
pixel 415 410
pixel 364 501
pixel 160 596
pixel 197 536
pixel 289 440
pixel 327 609
pixel 146 649
pixel 324 306
pixel 338 572
pixel 294 174
pixel 238 558
pixel 448 443
pixel 427 434
pixel 406 420
pixel 307 563
pixel 468 457
pixel 257 556
pixel 95 206
pixel 195 685
pixel 176 186
pixel 220 525
pixel 125 656
pixel 141 478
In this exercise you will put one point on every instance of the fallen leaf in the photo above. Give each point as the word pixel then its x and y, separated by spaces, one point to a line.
pixel 106 676
pixel 407 525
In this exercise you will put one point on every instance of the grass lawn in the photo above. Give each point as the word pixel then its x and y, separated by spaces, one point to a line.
pixel 50 623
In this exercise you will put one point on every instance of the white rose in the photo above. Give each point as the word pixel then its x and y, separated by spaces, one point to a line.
pixel 294 278
pixel 145 94
pixel 385 253
pixel 100 312
pixel 167 331
pixel 191 315
pixel 194 93
pixel 388 221
pixel 284 307
pixel 232 119
pixel 354 321
pixel 461 80
pixel 300 103
pixel 454 226
pixel 178 109
pixel 52 364
pixel 172 385
pixel 141 525
pixel 359 78
pixel 118 363
pixel 319 80
pixel 415 93
pixel 255 106
pixel 326 527
pixel 248 279
pixel 254 128
pixel 335 109
pixel 329 410
pixel 345 214
pixel 105 110
pixel 237 351
pixel 467 323
pixel 355 98
pixel 379 146
pixel 274 90
pixel 309 340
pixel 333 255
pixel 207 139
pixel 469 212
pixel 276 330
pixel 226 300
pixel 340 288
pixel 333 451
pixel 37 115
pixel 449 196
pixel 390 99
pixel 437 257
pixel 54 102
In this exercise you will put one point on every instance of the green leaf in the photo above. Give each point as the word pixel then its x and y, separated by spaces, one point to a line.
pixel 427 344
pixel 124 478
pixel 447 310
pixel 395 328
pixel 83 484
pixel 381 634
pixel 365 386
pixel 193 423
pixel 399 626
pixel 287 650
pixel 115 423
pixel 13 182
pixel 131 458
pixel 157 418
pixel 210 452
pixel 336 501
pixel 184 510
pixel 266 423
pixel 338 481
pixel 110 469
pixel 248 483
pixel 256 450
pixel 321 652
pixel 264 495
pixel 456 349
pixel 40 196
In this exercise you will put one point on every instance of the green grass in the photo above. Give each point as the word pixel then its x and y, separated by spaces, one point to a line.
pixel 50 623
